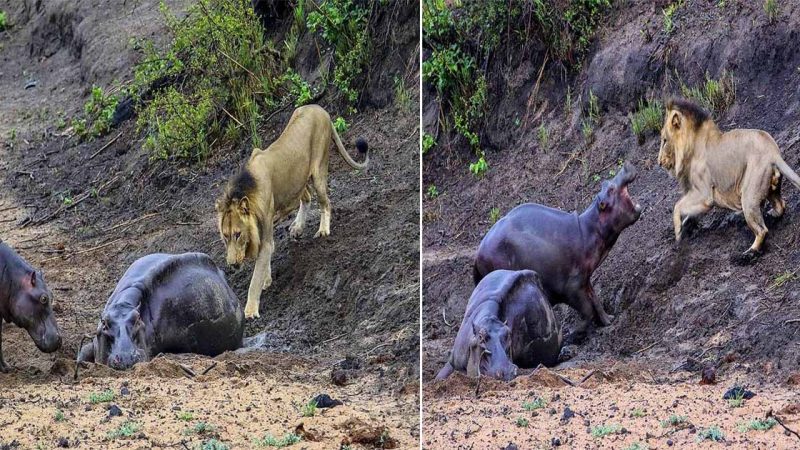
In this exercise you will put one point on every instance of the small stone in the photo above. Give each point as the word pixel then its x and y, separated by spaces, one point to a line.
pixel 114 411
pixel 511 446
pixel 623 430
pixel 63 442
pixel 670 443
pixel 568 414
pixel 124 391
pixel 552 411
pixel 555 442
pixel 586 422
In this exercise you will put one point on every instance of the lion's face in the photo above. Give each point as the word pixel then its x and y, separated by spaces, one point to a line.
pixel 238 229
pixel 673 136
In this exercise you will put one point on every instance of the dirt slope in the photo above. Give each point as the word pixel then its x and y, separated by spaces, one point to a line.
pixel 677 308
pixel 347 303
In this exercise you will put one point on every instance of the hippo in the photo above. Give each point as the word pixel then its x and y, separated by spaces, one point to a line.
pixel 167 304
pixel 26 302
pixel 564 248
pixel 508 324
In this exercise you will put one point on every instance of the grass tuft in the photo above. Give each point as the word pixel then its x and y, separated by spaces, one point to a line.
pixel 271 441
pixel 537 403
pixel 101 397
pixel 757 425
pixel 712 433
pixel 126 430
pixel 648 118
pixel 674 421
pixel 604 430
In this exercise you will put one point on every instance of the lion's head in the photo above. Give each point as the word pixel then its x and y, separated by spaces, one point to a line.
pixel 237 219
pixel 682 122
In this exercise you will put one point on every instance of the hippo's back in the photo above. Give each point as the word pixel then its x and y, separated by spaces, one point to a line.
pixel 189 304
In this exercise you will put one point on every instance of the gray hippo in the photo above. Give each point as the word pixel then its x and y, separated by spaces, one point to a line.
pixel 167 304
pixel 508 324
pixel 564 248
pixel 25 301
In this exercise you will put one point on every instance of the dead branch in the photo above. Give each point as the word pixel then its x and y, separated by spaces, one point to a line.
pixel 108 144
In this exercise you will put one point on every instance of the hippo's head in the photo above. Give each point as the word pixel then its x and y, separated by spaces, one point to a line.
pixel 121 339
pixel 488 350
pixel 614 204
pixel 32 310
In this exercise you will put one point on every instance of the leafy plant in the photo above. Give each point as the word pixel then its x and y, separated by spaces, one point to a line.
pixel 737 400
pixel 637 446
pixel 604 430
pixel 673 421
pixel 757 425
pixel 271 441
pixel 428 142
pixel 3 21
pixel 59 416
pixel 213 444
pixel 494 215
pixel 199 428
pixel 309 409
pixel 538 402
pixel 340 125
pixel 714 95
pixel 98 113
pixel 587 130
pixel 432 191
pixel 401 96
pixel 710 434
pixel 479 167
pixel 185 416
pixel 344 25
pixel 299 88
pixel 648 117
pixel 522 422
pixel 783 278
pixel 101 397
pixel 638 413
pixel 126 430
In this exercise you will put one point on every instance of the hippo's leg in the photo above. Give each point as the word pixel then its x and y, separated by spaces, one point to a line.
pixel 689 206
pixel 4 368
pixel 600 315
pixel 87 353
pixel 446 371
pixel 262 274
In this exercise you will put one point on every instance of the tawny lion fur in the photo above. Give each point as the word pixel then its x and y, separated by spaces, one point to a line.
pixel 273 184
pixel 737 169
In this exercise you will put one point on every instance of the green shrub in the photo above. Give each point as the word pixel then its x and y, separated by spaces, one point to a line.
pixel 340 125
pixel 126 430
pixel 710 434
pixel 344 25
pixel 538 402
pixel 271 441
pixel 669 13
pixel 648 118
pixel 770 7
pixel 673 421
pixel 494 216
pixel 604 430
pixel 213 444
pixel 714 95
pixel 479 167
pixel 432 191
pixel 522 422
pixel 428 142
pixel 309 409
pixel 3 21
pixel 757 425
pixel 212 82
pixel 101 397
pixel 544 137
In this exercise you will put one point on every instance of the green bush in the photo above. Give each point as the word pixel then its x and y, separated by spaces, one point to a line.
pixel 344 25
pixel 648 117
pixel 212 82
pixel 714 95
pixel 3 21
pixel 97 114
pixel 271 441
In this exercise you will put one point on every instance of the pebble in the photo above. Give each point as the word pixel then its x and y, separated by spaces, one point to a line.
pixel 669 443
pixel 114 411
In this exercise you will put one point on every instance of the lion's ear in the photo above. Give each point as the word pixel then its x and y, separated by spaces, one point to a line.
pixel 218 205
pixel 244 206
pixel 676 120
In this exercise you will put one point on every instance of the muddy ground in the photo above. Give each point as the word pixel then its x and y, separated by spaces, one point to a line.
pixel 678 309
pixel 346 304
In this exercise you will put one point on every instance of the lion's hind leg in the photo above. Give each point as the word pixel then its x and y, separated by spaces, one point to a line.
pixel 320 180
pixel 751 206
pixel 296 230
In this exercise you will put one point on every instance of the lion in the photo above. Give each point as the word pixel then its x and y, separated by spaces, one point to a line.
pixel 737 169
pixel 272 185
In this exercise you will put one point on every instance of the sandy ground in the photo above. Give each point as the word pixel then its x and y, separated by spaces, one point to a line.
pixel 454 418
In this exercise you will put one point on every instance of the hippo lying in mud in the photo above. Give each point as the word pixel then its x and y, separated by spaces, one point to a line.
pixel 167 304
pixel 508 324
pixel 25 301
pixel 564 248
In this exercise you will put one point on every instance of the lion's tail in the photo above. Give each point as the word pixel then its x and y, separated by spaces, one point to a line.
pixel 787 171
pixel 361 145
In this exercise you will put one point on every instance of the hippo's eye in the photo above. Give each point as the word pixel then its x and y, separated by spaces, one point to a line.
pixel 44 300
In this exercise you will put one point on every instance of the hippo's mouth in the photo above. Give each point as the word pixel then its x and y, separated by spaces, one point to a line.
pixel 626 196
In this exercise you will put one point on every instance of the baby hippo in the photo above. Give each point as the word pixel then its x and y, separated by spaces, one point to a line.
pixel 508 324
pixel 167 304
pixel 25 301
pixel 564 248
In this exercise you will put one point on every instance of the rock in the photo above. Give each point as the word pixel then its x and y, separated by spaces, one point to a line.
pixel 124 391
pixel 555 442
pixel 63 442
pixel 511 446
pixel 325 401
pixel 114 411
pixel 339 377
pixel 670 443
pixel 708 376
pixel 567 415
pixel 738 392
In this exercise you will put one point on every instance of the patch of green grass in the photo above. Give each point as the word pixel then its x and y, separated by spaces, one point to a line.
pixel 126 430
pixel 494 215
pixel 199 428
pixel 185 416
pixel 714 95
pixel 712 433
pixel 98 112
pixel 309 409
pixel 428 142
pixel 537 403
pixel 638 413
pixel 213 444
pixel 637 446
pixel 271 441
pixel 59 416
pixel 594 107
pixel 604 430
pixel 432 191
pixel 101 397
pixel 340 125
pixel 402 98
pixel 673 421
pixel 345 25
pixel 771 8
pixel 479 167
pixel 587 130
pixel 757 425
pixel 738 400
pixel 298 88
pixel 648 118
pixel 3 21
pixel 522 422
pixel 543 136
pixel 783 278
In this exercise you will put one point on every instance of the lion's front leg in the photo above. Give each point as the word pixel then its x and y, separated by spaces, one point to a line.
pixel 691 205
pixel 262 274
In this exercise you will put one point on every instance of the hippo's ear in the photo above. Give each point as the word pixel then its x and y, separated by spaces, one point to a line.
pixel 33 278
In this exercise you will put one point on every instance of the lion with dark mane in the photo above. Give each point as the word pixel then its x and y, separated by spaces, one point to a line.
pixel 736 169
pixel 272 185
